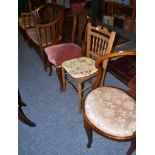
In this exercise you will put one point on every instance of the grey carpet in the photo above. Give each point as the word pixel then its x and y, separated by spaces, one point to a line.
pixel 59 129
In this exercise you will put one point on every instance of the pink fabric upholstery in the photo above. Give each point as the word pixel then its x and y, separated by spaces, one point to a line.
pixel 57 54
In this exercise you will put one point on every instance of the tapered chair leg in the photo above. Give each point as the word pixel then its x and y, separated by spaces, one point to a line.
pixel 132 147
pixel 24 119
pixel 63 80
pixel 59 75
pixel 79 96
pixel 89 133
pixel 43 57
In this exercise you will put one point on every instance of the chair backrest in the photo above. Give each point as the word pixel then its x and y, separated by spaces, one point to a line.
pixel 99 41
pixel 101 67
pixel 49 22
pixel 50 34
pixel 33 4
pixel 47 13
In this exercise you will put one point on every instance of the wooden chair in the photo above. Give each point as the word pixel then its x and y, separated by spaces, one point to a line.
pixel 99 41
pixel 110 111
pixel 25 21
pixel 57 54
pixel 48 19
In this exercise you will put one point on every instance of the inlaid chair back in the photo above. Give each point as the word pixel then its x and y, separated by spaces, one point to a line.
pixel 110 111
pixel 98 41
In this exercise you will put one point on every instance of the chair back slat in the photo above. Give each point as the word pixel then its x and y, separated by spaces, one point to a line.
pixel 49 34
pixel 99 41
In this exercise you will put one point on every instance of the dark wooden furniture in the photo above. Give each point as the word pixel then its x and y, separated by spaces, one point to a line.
pixel 123 15
pixel 21 116
pixel 99 41
pixel 123 68
pixel 109 111
pixel 132 87
pixel 48 28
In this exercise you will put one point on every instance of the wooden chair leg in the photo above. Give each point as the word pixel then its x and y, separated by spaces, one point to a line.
pixel 80 96
pixel 132 147
pixel 63 80
pixel 49 65
pixel 24 119
pixel 89 133
pixel 43 57
pixel 21 115
pixel 59 74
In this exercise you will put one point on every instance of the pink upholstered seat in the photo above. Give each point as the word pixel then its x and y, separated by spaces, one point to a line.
pixel 57 54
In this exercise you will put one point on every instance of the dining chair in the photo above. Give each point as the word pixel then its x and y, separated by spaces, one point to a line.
pixel 110 111
pixel 48 28
pixel 99 41
pixel 57 54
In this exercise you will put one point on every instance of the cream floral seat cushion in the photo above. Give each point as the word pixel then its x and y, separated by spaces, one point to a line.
pixel 80 67
pixel 112 111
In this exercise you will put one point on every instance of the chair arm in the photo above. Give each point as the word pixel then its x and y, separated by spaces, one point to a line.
pixel 101 64
pixel 27 20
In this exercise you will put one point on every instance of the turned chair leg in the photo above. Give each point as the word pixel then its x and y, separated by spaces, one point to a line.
pixel 89 133
pixel 63 80
pixel 59 75
pixel 132 147
pixel 80 87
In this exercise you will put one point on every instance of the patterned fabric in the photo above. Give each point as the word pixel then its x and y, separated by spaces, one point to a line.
pixel 80 67
pixel 112 111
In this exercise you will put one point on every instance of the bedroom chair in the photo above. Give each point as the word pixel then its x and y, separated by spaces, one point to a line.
pixel 57 54
pixel 99 42
pixel 48 19
pixel 110 111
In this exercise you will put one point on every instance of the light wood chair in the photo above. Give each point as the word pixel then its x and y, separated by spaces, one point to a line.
pixel 110 111
pixel 99 41
pixel 48 19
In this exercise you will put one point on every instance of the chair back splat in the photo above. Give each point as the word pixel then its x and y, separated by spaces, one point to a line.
pixel 97 42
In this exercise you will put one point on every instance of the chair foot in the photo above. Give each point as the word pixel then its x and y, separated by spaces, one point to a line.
pixel 89 133
pixel 24 119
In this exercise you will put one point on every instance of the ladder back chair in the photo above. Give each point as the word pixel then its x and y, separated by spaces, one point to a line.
pixel 98 41
pixel 110 111
pixel 48 19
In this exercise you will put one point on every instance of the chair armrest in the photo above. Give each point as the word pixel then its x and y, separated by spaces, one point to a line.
pixel 27 20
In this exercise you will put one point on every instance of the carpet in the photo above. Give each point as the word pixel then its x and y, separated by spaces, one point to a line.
pixel 59 127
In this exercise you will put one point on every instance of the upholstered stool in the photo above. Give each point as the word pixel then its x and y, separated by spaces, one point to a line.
pixel 112 111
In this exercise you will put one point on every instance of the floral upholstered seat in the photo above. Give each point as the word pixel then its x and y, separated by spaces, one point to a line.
pixel 80 67
pixel 112 111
